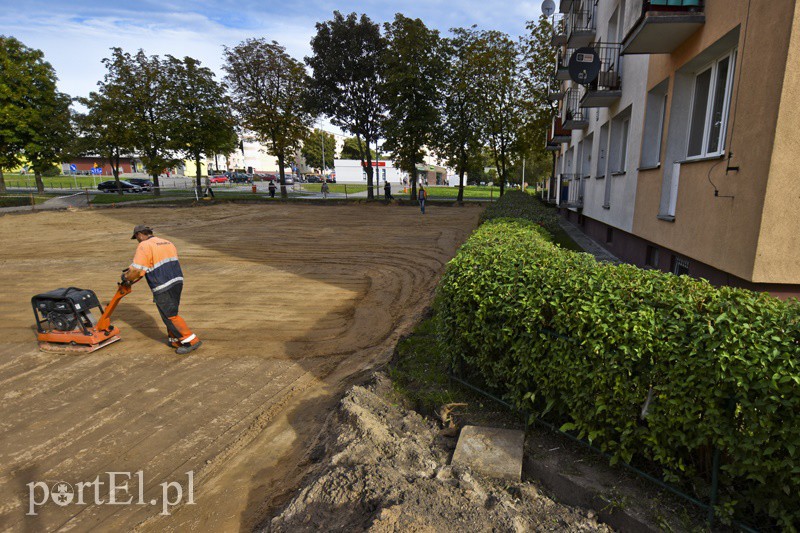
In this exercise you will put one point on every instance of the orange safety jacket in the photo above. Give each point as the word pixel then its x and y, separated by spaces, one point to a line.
pixel 158 258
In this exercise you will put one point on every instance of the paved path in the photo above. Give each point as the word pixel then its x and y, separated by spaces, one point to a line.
pixel 588 244
pixel 53 204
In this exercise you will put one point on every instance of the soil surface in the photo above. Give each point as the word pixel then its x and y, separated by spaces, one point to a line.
pixel 383 468
pixel 293 304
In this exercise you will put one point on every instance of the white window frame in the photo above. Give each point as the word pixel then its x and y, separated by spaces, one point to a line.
pixel 712 87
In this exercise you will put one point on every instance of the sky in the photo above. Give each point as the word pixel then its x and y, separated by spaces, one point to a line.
pixel 75 35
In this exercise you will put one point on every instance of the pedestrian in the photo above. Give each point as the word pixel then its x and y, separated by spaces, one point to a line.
pixel 157 260
pixel 272 188
pixel 324 189
pixel 387 190
pixel 208 191
pixel 422 195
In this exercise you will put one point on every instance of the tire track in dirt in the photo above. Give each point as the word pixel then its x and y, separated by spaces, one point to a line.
pixel 290 309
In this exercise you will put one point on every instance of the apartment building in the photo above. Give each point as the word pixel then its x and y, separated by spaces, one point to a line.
pixel 678 152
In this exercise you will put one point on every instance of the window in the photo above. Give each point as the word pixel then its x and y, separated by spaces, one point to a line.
pixel 651 256
pixel 680 267
pixel 655 114
pixel 623 146
pixel 710 104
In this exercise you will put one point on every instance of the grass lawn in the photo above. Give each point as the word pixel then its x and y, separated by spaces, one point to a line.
pixel 18 200
pixel 340 188
pixel 57 182
pixel 470 191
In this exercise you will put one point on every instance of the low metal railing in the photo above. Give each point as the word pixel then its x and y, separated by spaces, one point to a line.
pixel 610 76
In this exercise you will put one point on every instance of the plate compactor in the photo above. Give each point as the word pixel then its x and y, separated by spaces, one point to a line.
pixel 65 322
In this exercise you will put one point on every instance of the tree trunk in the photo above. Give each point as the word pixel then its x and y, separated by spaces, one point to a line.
pixel 370 192
pixel 2 181
pixel 413 178
pixel 115 172
pixel 460 198
pixel 197 175
pixel 282 172
pixel 39 183
pixel 156 185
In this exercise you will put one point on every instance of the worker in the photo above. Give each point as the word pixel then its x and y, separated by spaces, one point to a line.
pixel 387 190
pixel 157 260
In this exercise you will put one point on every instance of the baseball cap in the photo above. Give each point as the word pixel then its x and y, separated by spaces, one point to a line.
pixel 140 228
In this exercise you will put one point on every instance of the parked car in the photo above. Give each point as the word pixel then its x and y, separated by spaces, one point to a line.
pixel 330 179
pixel 270 177
pixel 289 180
pixel 111 186
pixel 239 177
pixel 145 184
pixel 218 179
pixel 313 179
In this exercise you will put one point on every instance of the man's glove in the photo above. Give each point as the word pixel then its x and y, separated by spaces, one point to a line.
pixel 124 280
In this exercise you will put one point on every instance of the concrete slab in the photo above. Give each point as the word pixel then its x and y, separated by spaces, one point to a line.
pixel 493 452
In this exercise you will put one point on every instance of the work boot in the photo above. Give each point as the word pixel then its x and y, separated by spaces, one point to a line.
pixel 173 343
pixel 186 348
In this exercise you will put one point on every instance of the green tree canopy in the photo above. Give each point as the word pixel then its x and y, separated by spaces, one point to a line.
pixel 35 119
pixel 458 139
pixel 352 150
pixel 269 97
pixel 200 112
pixel 414 69
pixel 317 142
pixel 348 69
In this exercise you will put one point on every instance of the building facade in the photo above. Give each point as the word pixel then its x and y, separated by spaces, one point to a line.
pixel 678 154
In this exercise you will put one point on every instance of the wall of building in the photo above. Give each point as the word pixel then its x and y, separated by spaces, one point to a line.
pixel 351 171
pixel 778 252
pixel 723 231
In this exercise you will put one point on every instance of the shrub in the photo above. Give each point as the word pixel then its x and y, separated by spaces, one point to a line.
pixel 586 343
pixel 517 204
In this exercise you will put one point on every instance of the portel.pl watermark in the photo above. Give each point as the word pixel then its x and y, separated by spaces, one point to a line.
pixel 115 490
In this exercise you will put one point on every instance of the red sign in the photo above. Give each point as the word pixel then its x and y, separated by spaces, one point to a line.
pixel 375 164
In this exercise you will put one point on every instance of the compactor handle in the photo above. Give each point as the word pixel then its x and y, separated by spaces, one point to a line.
pixel 123 289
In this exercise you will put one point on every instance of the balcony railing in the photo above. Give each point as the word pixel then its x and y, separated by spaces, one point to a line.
pixel 582 23
pixel 559 37
pixel 574 116
pixel 562 64
pixel 607 87
pixel 663 26
pixel 555 89
pixel 575 189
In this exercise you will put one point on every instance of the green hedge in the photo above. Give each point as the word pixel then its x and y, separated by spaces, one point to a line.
pixel 582 343
pixel 517 204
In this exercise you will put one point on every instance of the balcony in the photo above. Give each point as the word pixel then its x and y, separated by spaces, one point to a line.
pixel 558 133
pixel 663 26
pixel 559 37
pixel 562 64
pixel 565 5
pixel 607 88
pixel 555 89
pixel 575 187
pixel 582 23
pixel 574 116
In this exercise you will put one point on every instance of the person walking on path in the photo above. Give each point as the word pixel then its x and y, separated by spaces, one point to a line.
pixel 209 191
pixel 324 189
pixel 156 260
pixel 387 190
pixel 272 188
pixel 422 195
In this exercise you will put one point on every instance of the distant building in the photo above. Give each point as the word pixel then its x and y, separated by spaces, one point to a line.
pixel 351 171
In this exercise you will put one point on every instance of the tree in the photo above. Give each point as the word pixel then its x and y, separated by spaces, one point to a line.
pixel 351 150
pixel 414 64
pixel 269 97
pixel 105 129
pixel 498 58
pixel 537 110
pixel 34 115
pixel 347 69
pixel 146 107
pixel 459 136
pixel 313 150
pixel 199 112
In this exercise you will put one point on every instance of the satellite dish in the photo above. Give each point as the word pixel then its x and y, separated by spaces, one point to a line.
pixel 584 65
pixel 548 7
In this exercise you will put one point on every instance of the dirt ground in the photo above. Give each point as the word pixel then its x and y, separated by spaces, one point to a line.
pixel 293 302
pixel 382 468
